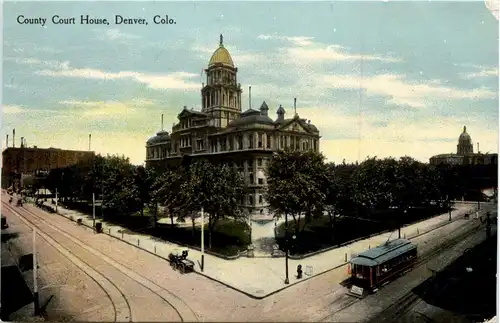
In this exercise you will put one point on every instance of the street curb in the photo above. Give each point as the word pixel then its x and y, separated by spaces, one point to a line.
pixel 242 291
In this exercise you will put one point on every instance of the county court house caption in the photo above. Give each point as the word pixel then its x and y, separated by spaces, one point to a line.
pixel 90 20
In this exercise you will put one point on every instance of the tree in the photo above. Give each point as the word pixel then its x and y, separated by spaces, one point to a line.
pixel 295 185
pixel 218 189
pixel 117 180
pixel 169 193
pixel 143 181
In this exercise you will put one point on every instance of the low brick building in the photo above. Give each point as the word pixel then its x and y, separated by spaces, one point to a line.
pixel 23 161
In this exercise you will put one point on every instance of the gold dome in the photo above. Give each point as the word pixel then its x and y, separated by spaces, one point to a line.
pixel 221 56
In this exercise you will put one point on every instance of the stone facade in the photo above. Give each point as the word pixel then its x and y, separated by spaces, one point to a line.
pixel 221 132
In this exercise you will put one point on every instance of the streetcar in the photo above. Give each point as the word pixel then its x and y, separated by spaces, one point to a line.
pixel 376 267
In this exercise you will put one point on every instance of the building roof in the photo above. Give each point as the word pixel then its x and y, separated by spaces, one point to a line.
pixel 451 155
pixel 221 56
pixel 383 253
pixel 160 138
pixel 251 116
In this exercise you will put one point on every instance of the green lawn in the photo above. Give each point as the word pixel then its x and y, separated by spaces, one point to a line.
pixel 228 238
pixel 319 234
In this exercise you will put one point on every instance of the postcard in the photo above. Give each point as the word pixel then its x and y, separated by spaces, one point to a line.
pixel 249 161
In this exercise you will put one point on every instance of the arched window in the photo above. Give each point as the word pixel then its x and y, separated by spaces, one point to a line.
pixel 250 199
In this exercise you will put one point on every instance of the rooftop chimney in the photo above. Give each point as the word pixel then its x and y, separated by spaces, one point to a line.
pixel 14 137
pixel 22 144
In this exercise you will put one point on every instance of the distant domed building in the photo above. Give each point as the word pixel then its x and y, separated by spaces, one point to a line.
pixel 465 154
pixel 222 132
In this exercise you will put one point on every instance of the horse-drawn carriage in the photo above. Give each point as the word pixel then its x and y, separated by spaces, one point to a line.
pixel 180 261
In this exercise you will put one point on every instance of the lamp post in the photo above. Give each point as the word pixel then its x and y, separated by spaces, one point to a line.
pixel 287 281
pixel 93 211
pixel 202 240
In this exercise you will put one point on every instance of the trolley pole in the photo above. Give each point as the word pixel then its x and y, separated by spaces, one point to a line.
pixel 36 300
pixel 202 241
pixel 93 212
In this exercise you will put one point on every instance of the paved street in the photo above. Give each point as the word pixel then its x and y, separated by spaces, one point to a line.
pixel 131 298
pixel 60 281
pixel 246 273
pixel 208 299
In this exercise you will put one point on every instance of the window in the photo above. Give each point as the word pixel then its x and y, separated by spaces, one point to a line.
pixel 250 199
pixel 250 163
pixel 240 142
pixel 259 162
pixel 261 181
pixel 231 143
pixel 250 141
pixel 297 143
pixel 199 144
pixel 260 199
pixel 250 178
pixel 282 142
pixel 268 141
pixel 260 145
pixel 222 144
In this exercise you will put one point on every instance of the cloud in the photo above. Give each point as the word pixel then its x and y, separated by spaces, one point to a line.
pixel 401 91
pixel 483 72
pixel 115 34
pixel 174 81
pixel 297 40
pixel 12 109
pixel 304 49
pixel 108 109
pixel 37 62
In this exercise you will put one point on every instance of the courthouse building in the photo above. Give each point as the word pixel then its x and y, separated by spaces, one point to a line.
pixel 465 154
pixel 222 132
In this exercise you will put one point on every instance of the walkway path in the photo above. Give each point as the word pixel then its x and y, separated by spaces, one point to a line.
pixel 246 274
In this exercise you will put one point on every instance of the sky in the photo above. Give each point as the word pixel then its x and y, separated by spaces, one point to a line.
pixel 377 78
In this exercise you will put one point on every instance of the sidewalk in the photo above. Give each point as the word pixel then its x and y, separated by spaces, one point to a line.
pixel 246 274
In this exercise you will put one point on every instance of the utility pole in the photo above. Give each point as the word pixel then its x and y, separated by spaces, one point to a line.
pixel 202 240
pixel 35 276
pixel 286 247
pixel 56 199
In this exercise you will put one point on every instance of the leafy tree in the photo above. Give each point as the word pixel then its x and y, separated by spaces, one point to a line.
pixel 168 192
pixel 143 181
pixel 117 180
pixel 295 185
pixel 218 188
